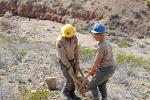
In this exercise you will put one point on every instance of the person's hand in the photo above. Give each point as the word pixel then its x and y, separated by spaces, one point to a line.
pixel 92 71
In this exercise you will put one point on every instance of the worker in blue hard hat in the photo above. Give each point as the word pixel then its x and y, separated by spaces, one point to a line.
pixel 103 67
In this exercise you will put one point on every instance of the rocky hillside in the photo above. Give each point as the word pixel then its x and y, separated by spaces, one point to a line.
pixel 129 17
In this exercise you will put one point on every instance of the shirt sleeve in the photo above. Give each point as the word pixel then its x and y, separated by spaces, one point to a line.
pixel 99 56
pixel 77 53
pixel 62 53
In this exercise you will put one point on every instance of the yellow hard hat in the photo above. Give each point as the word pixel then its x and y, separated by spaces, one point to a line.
pixel 68 30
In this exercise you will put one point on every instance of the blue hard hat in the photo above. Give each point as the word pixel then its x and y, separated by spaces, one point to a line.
pixel 99 28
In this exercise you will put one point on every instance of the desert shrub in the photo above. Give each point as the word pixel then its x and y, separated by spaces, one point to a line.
pixel 84 29
pixel 56 3
pixel 87 52
pixel 122 75
pixel 10 38
pixel 5 24
pixel 39 94
pixel 147 1
pixel 19 53
pixel 111 33
pixel 22 40
pixel 135 61
pixel 127 72
pixel 77 6
pixel 5 37
pixel 121 58
pixel 123 43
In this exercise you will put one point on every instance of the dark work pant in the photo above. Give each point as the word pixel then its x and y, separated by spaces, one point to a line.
pixel 69 84
pixel 100 80
pixel 102 89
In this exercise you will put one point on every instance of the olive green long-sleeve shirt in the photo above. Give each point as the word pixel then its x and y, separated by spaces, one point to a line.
pixel 104 56
pixel 67 50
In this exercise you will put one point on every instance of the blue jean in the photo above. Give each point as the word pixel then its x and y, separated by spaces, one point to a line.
pixel 100 80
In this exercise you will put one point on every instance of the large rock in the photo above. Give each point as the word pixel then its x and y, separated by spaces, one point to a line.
pixel 51 83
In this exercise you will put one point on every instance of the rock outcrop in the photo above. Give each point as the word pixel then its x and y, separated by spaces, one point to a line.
pixel 47 13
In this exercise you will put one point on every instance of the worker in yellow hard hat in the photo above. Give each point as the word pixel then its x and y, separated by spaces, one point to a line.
pixel 68 54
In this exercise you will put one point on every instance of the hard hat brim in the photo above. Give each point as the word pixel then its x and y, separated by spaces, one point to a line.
pixel 98 32
pixel 68 36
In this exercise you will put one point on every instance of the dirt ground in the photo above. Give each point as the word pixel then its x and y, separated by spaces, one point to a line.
pixel 40 62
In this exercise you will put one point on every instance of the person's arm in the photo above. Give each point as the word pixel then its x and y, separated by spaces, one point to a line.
pixel 62 54
pixel 76 55
pixel 98 58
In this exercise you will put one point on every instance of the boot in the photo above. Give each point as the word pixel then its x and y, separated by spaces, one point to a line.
pixel 95 98
pixel 65 96
pixel 74 96
pixel 104 99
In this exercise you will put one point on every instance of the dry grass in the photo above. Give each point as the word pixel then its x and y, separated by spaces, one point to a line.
pixel 5 24
pixel 127 72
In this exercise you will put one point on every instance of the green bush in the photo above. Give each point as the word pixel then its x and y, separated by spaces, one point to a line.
pixel 39 94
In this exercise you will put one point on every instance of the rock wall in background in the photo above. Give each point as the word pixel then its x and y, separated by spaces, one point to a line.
pixel 48 13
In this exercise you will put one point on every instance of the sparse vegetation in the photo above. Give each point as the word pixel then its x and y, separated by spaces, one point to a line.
pixel 9 38
pixel 122 58
pixel 18 52
pixel 84 29
pixel 56 3
pixel 147 1
pixel 127 72
pixel 5 37
pixel 22 40
pixel 39 94
pixel 29 58
pixel 87 52
pixel 123 43
pixel 77 6
pixel 112 33
pixel 5 24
